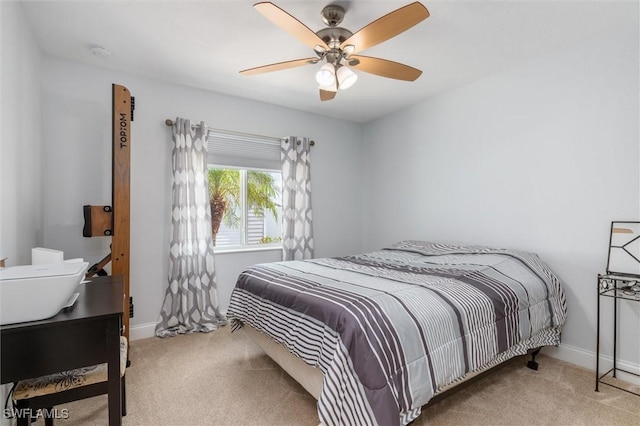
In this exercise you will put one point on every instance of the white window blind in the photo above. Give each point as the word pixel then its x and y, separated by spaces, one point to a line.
pixel 243 150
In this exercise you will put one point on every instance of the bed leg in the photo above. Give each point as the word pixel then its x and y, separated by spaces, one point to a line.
pixel 533 364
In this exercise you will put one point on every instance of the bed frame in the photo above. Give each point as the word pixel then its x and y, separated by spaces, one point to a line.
pixel 310 378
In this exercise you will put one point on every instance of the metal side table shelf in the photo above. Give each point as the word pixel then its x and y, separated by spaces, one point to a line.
pixel 617 287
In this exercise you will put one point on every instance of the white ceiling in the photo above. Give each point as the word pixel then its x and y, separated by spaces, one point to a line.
pixel 205 43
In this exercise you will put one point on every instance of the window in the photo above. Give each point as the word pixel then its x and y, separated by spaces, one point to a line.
pixel 245 190
pixel 245 207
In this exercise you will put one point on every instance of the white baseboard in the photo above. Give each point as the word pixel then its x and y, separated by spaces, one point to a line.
pixel 564 352
pixel 587 359
pixel 142 331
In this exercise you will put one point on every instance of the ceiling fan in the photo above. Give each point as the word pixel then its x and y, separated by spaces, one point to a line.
pixel 338 47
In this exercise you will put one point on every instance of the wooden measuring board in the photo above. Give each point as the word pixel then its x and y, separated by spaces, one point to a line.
pixel 121 191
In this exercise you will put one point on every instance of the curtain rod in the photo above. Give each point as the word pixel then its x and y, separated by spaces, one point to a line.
pixel 169 122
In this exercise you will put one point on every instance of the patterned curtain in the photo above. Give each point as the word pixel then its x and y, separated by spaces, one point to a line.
pixel 297 239
pixel 191 301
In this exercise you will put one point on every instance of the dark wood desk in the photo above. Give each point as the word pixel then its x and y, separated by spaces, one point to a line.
pixel 88 334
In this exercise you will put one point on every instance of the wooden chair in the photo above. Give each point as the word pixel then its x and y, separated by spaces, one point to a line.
pixel 46 392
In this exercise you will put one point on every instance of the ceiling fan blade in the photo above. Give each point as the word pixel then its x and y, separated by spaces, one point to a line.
pixel 326 95
pixel 290 24
pixel 279 66
pixel 388 26
pixel 384 68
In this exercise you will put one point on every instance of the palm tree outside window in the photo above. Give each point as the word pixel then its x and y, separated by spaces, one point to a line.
pixel 245 207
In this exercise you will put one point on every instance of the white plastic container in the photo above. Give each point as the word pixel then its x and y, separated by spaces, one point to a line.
pixel 35 292
pixel 45 256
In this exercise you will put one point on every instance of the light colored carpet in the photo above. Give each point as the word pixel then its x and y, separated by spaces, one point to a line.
pixel 221 378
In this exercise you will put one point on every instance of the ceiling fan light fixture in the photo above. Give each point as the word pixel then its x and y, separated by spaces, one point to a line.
pixel 330 88
pixel 348 50
pixel 319 50
pixel 346 77
pixel 326 75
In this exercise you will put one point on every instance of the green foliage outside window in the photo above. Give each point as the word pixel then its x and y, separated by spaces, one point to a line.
pixel 225 192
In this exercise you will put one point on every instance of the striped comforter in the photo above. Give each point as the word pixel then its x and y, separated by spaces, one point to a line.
pixel 388 329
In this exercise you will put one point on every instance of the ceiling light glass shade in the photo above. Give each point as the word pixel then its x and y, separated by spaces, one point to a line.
pixel 326 75
pixel 346 77
pixel 331 88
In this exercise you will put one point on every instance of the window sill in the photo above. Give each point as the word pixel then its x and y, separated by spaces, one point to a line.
pixel 246 249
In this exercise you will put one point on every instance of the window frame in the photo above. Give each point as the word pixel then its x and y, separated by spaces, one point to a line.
pixel 245 247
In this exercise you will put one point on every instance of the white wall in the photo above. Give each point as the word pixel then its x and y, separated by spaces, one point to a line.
pixel 20 148
pixel 541 157
pixel 20 144
pixel 77 171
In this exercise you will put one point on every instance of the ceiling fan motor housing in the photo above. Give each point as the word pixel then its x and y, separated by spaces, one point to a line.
pixel 334 36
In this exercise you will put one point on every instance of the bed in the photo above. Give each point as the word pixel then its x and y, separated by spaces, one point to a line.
pixel 383 332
